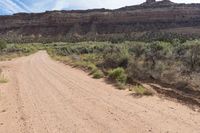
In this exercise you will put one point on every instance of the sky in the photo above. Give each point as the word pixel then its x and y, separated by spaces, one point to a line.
pixel 8 7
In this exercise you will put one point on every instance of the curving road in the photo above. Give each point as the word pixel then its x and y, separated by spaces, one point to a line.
pixel 45 96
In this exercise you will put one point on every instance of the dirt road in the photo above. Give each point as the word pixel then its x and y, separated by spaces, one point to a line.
pixel 44 96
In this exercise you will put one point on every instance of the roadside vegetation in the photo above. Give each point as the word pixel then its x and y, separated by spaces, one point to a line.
pixel 3 79
pixel 175 63
pixel 10 51
pixel 141 91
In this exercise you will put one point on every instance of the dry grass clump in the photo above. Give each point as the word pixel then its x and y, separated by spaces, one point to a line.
pixel 139 90
pixel 2 78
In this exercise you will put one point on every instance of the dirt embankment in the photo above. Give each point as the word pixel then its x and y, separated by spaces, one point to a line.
pixel 44 96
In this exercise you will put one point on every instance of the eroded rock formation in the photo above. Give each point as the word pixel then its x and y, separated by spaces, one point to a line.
pixel 154 20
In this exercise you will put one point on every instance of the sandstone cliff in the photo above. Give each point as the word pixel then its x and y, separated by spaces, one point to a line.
pixel 156 20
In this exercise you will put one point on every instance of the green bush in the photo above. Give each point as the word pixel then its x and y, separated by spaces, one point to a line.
pixel 91 67
pixel 98 74
pixel 115 56
pixel 93 70
pixel 191 55
pixel 137 70
pixel 118 75
pixel 143 61
pixel 140 90
pixel 3 45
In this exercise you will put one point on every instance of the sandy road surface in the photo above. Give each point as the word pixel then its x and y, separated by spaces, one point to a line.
pixel 44 96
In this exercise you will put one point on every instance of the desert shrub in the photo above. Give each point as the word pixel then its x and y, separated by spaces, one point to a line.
pixel 137 70
pixel 157 51
pixel 140 90
pixel 159 61
pixel 3 79
pixel 191 56
pixel 137 49
pixel 82 64
pixel 188 54
pixel 91 67
pixel 93 70
pixel 118 75
pixel 115 60
pixel 3 45
pixel 176 43
pixel 98 74
pixel 148 61
pixel 117 39
pixel 81 48
pixel 115 57
pixel 179 51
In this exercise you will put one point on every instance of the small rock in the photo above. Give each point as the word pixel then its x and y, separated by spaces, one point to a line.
pixel 3 111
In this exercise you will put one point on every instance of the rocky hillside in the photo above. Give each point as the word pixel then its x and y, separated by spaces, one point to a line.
pixel 148 21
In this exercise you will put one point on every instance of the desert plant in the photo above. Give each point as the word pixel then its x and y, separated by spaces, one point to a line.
pixel 140 90
pixel 137 70
pixel 137 49
pixel 115 57
pixel 156 51
pixel 3 79
pixel 163 62
pixel 3 45
pixel 188 54
pixel 98 74
pixel 118 75
pixel 192 57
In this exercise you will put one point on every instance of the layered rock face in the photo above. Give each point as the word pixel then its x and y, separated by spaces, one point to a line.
pixel 152 20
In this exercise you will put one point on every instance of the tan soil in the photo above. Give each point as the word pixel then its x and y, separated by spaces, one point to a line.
pixel 45 96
